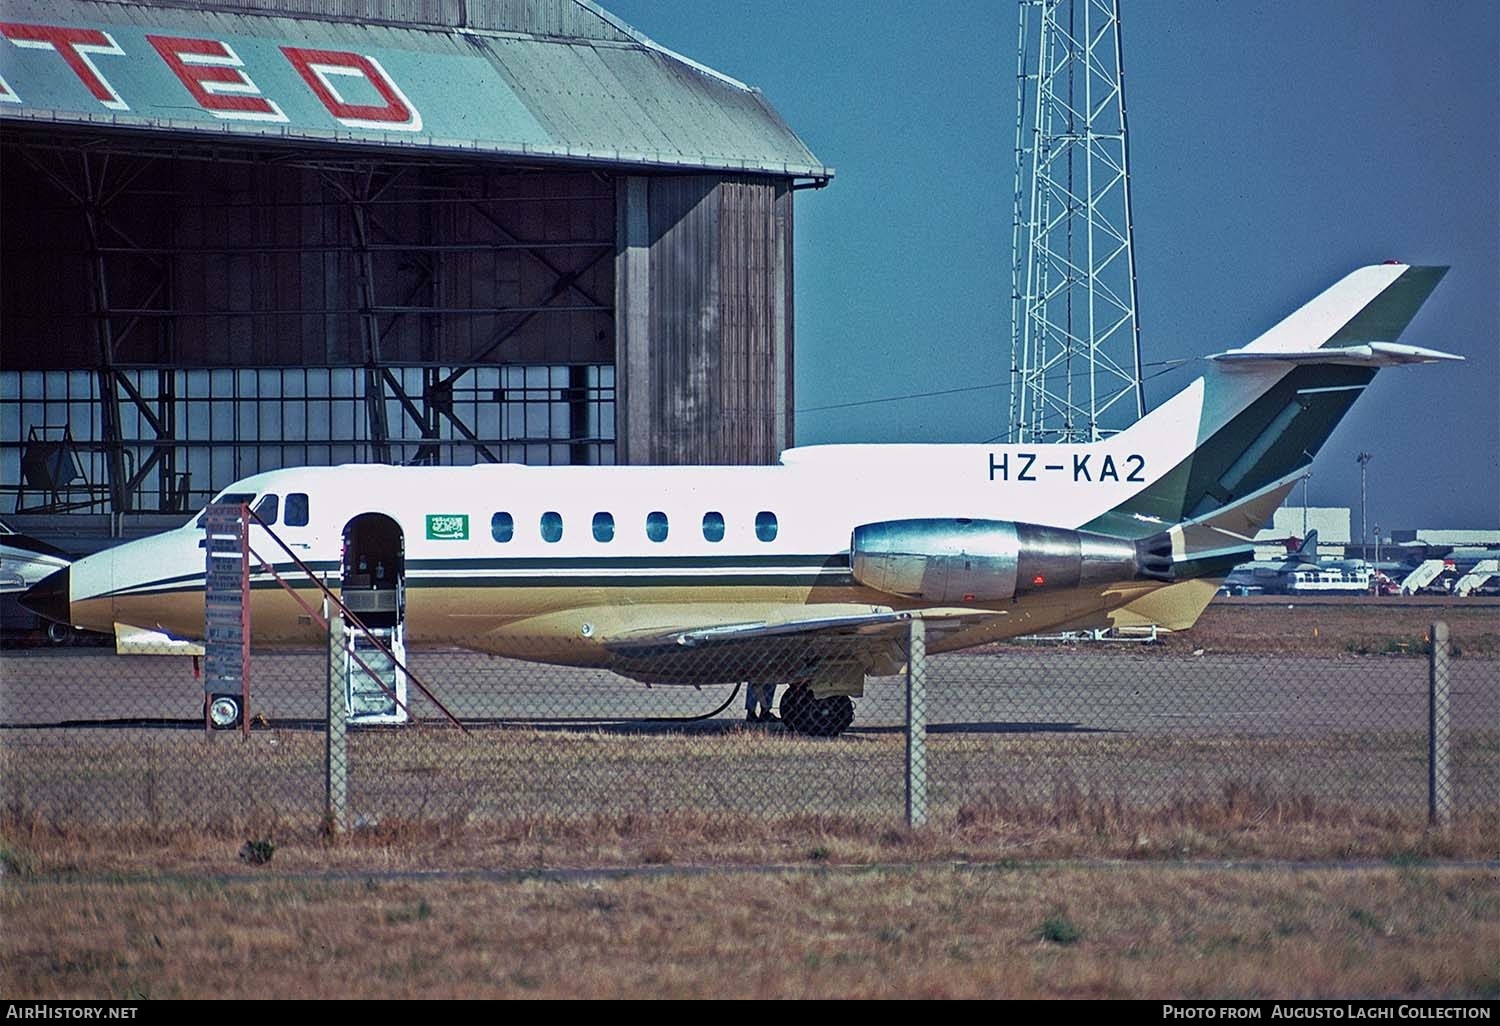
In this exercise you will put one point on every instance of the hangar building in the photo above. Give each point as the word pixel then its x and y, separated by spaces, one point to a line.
pixel 246 235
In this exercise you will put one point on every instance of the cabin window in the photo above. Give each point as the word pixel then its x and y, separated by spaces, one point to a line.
pixel 296 509
pixel 765 526
pixel 604 527
pixel 552 527
pixel 713 527
pixel 502 527
pixel 267 509
pixel 656 526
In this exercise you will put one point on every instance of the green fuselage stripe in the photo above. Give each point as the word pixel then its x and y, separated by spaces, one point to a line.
pixel 607 572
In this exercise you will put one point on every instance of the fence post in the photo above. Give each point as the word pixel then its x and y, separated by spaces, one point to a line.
pixel 916 724
pixel 336 764
pixel 1439 722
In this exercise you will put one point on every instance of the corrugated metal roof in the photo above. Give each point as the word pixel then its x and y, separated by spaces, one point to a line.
pixel 577 84
pixel 573 19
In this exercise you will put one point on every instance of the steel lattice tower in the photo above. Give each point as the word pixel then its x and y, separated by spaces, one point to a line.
pixel 1075 341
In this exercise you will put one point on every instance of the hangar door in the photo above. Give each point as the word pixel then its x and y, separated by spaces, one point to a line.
pixel 179 318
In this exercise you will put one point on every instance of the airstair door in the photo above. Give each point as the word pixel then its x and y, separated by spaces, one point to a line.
pixel 374 590
pixel 376 684
pixel 1477 578
pixel 1422 576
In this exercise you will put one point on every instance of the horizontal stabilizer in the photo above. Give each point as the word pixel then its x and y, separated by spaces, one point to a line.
pixel 1369 354
pixel 1225 537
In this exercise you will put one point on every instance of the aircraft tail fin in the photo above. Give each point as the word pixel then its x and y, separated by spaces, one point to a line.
pixel 1307 552
pixel 1262 412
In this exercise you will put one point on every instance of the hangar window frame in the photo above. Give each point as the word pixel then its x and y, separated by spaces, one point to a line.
pixel 232 423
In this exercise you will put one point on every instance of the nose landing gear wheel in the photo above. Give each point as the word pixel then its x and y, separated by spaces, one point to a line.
pixel 816 717
pixel 224 711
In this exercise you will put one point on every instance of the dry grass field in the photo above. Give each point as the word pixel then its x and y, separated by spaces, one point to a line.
pixel 1040 931
pixel 1343 626
pixel 1236 826
pixel 522 799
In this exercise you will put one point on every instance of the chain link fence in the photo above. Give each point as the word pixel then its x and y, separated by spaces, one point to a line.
pixel 1023 733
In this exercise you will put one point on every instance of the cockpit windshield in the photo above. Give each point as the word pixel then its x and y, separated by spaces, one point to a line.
pixel 268 508
pixel 245 497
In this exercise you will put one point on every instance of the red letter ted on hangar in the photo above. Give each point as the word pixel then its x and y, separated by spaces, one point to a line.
pixel 216 78
pixel 211 71
pixel 74 45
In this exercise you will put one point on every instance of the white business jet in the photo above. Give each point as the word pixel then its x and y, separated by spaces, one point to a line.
pixel 806 573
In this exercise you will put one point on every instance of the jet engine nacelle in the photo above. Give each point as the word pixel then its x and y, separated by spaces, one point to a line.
pixel 964 560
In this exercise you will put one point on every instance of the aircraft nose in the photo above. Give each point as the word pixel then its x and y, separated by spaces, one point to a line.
pixel 51 597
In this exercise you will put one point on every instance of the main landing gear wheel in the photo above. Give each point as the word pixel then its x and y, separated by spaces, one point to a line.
pixel 224 711
pixel 816 717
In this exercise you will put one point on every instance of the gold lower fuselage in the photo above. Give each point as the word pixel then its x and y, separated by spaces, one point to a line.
pixel 614 627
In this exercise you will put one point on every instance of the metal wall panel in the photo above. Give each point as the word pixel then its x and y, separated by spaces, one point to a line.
pixel 712 374
pixel 686 331
pixel 785 317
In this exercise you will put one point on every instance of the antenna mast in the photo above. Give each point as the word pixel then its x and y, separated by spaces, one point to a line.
pixel 1075 341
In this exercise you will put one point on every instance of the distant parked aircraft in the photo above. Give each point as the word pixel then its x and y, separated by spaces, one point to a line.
pixel 1272 576
pixel 24 561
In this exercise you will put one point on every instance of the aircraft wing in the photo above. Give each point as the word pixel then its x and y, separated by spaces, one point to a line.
pixel 877 624
pixel 832 652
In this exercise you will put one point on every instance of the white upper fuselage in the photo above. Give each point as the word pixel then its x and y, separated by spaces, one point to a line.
pixel 817 497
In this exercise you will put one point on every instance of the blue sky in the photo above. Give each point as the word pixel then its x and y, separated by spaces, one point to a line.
pixel 1275 147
